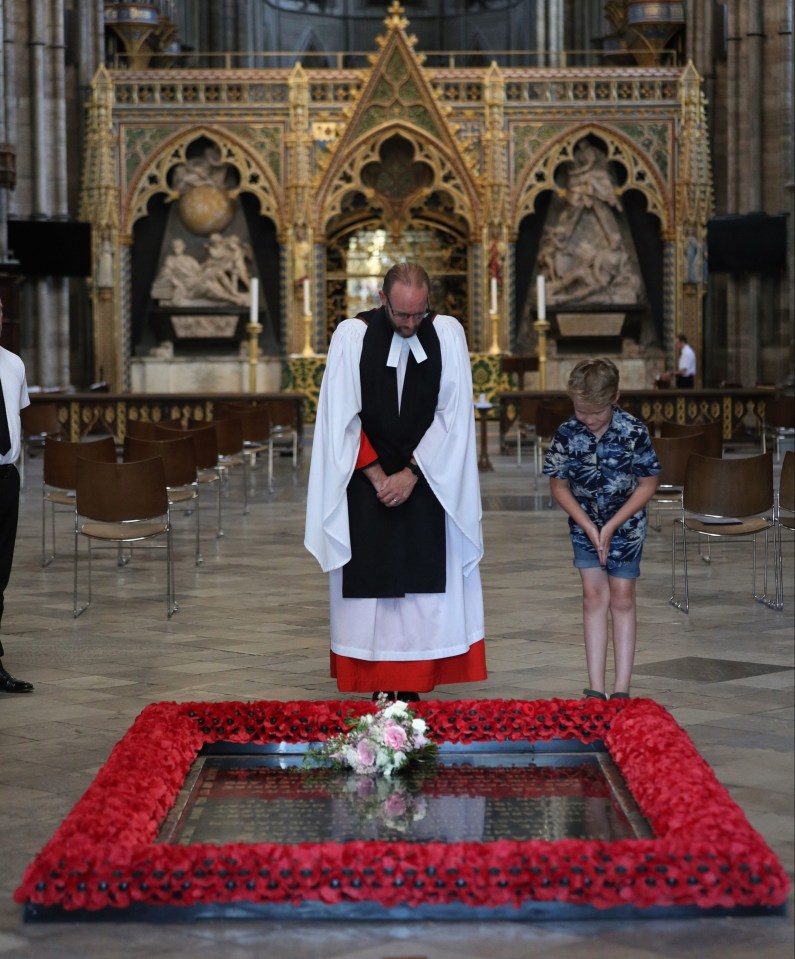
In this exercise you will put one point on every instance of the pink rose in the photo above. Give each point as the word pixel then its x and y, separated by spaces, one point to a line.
pixel 365 753
pixel 395 806
pixel 394 736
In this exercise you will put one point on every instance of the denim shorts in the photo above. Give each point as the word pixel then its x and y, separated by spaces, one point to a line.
pixel 587 559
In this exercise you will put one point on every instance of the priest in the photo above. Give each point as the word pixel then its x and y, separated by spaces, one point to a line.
pixel 393 505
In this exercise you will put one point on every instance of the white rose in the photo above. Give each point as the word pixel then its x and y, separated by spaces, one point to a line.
pixel 398 708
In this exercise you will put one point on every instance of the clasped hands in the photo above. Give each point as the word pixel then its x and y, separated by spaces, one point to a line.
pixel 601 538
pixel 391 490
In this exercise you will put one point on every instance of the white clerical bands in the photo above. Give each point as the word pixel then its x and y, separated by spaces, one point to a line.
pixel 400 343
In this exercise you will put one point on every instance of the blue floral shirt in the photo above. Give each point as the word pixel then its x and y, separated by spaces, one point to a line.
pixel 602 475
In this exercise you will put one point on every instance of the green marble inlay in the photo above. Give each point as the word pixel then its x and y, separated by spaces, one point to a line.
pixel 266 142
pixel 139 142
pixel 383 92
pixel 409 92
pixel 655 141
pixel 396 69
pixel 529 140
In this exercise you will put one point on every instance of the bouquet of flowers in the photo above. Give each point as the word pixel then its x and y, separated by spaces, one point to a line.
pixel 379 743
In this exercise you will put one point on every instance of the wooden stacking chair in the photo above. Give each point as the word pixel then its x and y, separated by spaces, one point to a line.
pixel 784 517
pixel 712 433
pixel 525 424
pixel 122 504
pixel 257 439
pixel 549 415
pixel 673 452
pixel 205 442
pixel 231 454
pixel 59 480
pixel 38 421
pixel 779 422
pixel 284 429
pixel 724 498
pixel 140 429
pixel 178 453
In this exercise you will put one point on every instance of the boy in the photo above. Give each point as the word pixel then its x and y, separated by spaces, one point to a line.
pixel 603 470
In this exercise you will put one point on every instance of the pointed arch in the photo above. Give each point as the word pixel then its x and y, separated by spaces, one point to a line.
pixel 152 177
pixel 642 174
pixel 446 177
pixel 398 99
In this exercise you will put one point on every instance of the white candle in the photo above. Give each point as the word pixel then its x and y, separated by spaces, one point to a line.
pixel 494 294
pixel 542 303
pixel 254 300
pixel 307 304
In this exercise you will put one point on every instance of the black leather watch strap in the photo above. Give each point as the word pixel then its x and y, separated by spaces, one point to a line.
pixel 415 470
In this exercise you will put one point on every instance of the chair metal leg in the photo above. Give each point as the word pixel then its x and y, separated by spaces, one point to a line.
pixel 270 465
pixel 199 557
pixel 79 610
pixel 778 553
pixel 46 560
pixel 679 604
pixel 763 597
pixel 171 599
pixel 220 528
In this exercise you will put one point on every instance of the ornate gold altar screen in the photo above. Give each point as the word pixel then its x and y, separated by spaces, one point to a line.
pixel 352 166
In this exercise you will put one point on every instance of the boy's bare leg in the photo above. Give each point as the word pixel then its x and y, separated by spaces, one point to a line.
pixel 595 604
pixel 624 615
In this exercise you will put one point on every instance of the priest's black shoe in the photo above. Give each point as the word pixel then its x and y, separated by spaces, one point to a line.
pixel 392 695
pixel 10 685
pixel 409 697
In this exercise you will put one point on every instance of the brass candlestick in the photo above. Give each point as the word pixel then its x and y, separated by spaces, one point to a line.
pixel 494 323
pixel 307 350
pixel 541 326
pixel 253 330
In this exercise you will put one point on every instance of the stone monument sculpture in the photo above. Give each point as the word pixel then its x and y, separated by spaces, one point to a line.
pixel 204 205
pixel 585 256
pixel 221 277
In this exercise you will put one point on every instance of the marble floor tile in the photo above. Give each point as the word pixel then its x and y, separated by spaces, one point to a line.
pixel 253 623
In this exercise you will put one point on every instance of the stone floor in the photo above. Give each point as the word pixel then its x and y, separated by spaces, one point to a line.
pixel 253 625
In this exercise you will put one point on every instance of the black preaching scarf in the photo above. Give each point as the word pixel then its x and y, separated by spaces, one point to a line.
pixel 401 549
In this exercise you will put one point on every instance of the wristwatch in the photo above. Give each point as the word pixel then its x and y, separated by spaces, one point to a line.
pixel 415 470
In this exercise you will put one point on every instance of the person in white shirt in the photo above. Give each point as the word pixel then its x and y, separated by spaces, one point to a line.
pixel 686 364
pixel 13 398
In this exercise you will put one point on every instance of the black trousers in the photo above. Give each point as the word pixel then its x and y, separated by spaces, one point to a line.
pixel 9 514
pixel 684 382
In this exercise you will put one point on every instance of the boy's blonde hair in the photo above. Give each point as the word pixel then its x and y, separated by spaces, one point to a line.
pixel 594 381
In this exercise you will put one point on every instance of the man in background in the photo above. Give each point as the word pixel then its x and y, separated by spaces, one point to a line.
pixel 686 364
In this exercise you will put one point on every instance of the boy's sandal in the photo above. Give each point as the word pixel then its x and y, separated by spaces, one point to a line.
pixel 593 694
pixel 619 695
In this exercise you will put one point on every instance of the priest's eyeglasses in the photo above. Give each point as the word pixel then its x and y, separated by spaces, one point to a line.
pixel 400 317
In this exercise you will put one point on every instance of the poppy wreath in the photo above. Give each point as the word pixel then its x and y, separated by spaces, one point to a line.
pixel 704 852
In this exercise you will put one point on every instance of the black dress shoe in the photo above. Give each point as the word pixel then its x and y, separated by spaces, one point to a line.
pixel 10 685
pixel 409 697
